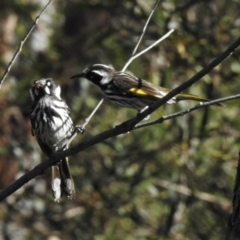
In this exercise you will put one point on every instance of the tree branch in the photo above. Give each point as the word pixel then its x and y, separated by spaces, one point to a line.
pixel 186 111
pixel 21 44
pixel 192 80
pixel 148 48
pixel 145 27
pixel 233 230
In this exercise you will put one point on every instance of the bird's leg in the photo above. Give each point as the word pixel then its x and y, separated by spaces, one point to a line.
pixel 77 129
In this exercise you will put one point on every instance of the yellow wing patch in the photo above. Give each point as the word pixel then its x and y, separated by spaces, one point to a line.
pixel 138 92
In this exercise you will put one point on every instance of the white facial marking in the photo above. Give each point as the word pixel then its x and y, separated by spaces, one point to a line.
pixel 105 76
pixel 47 90
pixel 102 65
pixel 58 92
pixel 100 72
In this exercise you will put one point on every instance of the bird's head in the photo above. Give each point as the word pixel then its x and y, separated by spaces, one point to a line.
pixel 44 87
pixel 98 74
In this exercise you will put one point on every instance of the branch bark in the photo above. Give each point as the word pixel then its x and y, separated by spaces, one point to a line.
pixel 186 111
pixel 233 230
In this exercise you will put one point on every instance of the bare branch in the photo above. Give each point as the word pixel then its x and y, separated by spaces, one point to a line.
pixel 81 129
pixel 192 80
pixel 145 27
pixel 233 231
pixel 147 49
pixel 91 115
pixel 186 111
pixel 21 44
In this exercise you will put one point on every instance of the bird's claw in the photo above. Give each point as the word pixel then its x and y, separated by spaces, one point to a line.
pixel 80 129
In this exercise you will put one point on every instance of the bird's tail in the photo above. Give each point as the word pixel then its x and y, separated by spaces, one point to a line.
pixel 62 181
pixel 183 96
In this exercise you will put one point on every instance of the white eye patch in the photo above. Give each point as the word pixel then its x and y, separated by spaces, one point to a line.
pixel 58 92
pixel 105 76
pixel 49 84
pixel 100 72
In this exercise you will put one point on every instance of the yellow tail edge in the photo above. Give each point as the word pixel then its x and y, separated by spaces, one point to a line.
pixel 183 96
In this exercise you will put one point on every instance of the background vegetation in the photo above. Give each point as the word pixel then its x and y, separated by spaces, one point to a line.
pixel 169 181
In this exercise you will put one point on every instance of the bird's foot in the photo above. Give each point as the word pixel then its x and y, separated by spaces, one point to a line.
pixel 79 129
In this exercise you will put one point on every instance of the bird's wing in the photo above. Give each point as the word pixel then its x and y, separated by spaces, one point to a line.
pixel 139 87
pixel 46 150
pixel 44 147
pixel 33 127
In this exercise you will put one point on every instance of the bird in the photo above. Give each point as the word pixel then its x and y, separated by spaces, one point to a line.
pixel 127 90
pixel 53 128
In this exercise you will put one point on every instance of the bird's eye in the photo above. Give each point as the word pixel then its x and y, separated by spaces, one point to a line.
pixel 49 83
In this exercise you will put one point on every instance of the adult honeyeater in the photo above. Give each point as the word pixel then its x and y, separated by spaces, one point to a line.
pixel 53 128
pixel 127 90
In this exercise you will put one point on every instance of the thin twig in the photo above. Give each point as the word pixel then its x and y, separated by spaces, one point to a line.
pixel 81 128
pixel 147 49
pixel 191 81
pixel 145 27
pixel 91 115
pixel 186 111
pixel 21 45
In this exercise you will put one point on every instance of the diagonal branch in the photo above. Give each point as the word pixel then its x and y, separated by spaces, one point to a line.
pixel 233 230
pixel 145 27
pixel 120 129
pixel 192 80
pixel 186 111
pixel 148 48
pixel 21 44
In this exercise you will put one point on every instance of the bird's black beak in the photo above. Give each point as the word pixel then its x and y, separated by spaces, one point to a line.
pixel 80 75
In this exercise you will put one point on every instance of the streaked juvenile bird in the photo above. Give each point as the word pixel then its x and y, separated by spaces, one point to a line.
pixel 53 129
pixel 127 90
